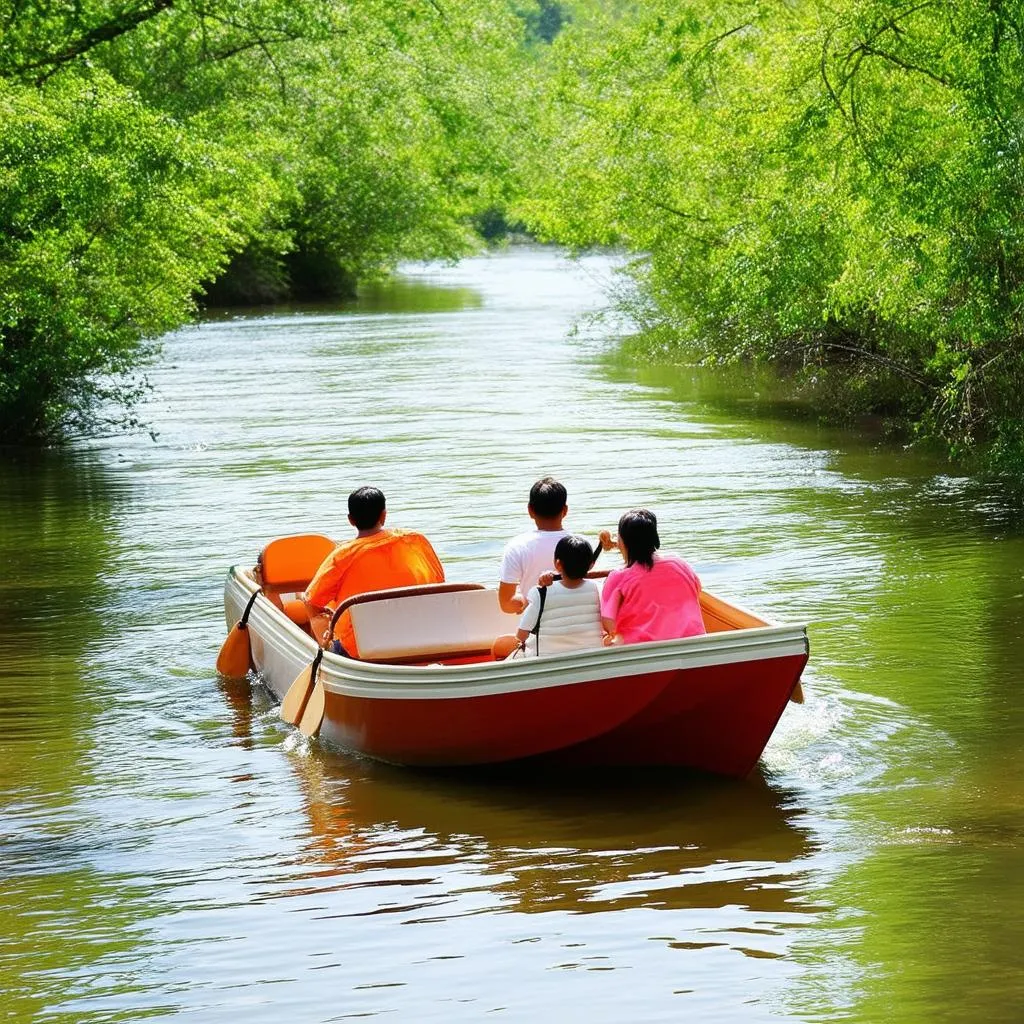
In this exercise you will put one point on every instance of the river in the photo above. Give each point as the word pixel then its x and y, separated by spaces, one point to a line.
pixel 168 848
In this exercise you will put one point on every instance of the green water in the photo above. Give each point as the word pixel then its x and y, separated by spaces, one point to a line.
pixel 168 848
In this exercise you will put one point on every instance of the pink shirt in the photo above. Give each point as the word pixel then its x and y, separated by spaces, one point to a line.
pixel 662 603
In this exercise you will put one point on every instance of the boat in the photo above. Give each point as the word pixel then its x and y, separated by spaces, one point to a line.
pixel 425 690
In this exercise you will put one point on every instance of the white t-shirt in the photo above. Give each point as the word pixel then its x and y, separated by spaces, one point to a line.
pixel 571 619
pixel 528 555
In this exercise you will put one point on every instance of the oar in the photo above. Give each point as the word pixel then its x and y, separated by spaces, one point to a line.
pixel 235 658
pixel 296 698
pixel 313 715
pixel 313 710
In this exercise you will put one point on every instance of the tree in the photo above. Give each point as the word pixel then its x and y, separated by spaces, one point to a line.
pixel 112 214
pixel 145 146
pixel 832 187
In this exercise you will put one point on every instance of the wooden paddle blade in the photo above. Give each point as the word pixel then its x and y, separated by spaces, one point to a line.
pixel 295 699
pixel 313 715
pixel 797 696
pixel 235 658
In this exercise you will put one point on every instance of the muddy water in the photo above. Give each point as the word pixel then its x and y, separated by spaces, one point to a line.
pixel 169 849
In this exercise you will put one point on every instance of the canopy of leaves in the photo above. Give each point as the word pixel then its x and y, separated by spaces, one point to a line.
pixel 146 145
pixel 836 187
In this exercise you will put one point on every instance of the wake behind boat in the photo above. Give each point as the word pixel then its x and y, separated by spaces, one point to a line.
pixel 426 691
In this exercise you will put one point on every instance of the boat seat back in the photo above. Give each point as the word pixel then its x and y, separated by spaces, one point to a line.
pixel 423 626
pixel 720 616
pixel 287 564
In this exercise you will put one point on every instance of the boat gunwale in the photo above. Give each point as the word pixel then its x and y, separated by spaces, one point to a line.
pixel 354 678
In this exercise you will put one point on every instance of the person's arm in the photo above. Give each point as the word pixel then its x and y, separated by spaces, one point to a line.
pixel 312 599
pixel 509 577
pixel 611 600
pixel 531 613
pixel 321 590
pixel 509 600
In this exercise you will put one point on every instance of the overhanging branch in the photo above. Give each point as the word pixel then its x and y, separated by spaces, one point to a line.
pixel 104 33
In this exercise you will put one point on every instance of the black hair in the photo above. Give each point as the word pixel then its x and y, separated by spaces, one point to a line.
pixel 365 507
pixel 547 497
pixel 576 556
pixel 638 531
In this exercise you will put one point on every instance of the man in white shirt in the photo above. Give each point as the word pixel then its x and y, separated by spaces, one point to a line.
pixel 532 553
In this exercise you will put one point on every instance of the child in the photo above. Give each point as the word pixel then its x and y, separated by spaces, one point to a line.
pixel 655 597
pixel 563 617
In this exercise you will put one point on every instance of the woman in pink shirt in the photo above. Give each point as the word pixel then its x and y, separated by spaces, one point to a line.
pixel 655 597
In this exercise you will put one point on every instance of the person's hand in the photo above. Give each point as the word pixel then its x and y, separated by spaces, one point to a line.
pixel 607 543
pixel 545 579
pixel 518 604
pixel 608 639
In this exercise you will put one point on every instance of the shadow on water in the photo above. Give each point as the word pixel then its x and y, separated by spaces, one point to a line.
pixel 395 295
pixel 752 402
pixel 56 537
pixel 583 840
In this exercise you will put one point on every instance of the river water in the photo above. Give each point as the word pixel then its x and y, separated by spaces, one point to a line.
pixel 168 848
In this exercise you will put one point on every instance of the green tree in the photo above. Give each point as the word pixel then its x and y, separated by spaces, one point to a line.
pixel 145 146
pixel 112 214
pixel 832 187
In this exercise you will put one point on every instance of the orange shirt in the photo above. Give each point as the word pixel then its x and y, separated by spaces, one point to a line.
pixel 391 558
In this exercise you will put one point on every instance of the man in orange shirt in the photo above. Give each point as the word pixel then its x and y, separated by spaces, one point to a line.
pixel 375 559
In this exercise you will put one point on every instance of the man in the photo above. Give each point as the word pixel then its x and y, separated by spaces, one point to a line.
pixel 532 553
pixel 375 559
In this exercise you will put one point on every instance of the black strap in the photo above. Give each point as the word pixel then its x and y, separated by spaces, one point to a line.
pixel 315 667
pixel 543 592
pixel 243 622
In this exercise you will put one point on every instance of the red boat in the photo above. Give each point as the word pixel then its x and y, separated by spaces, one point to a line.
pixel 426 691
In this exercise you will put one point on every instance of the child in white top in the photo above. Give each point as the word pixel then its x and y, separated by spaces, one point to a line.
pixel 565 616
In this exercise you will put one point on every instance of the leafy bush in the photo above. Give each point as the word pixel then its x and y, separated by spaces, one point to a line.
pixel 112 214
pixel 305 144
pixel 836 188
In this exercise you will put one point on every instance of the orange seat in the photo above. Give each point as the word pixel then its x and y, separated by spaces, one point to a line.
pixel 287 564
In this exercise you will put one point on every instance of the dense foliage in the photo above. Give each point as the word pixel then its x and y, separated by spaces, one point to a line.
pixel 149 148
pixel 835 187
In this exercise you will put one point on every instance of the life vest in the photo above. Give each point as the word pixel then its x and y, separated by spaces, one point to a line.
pixel 392 558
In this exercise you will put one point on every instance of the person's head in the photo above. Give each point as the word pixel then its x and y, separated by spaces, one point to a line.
pixel 573 557
pixel 366 508
pixel 547 499
pixel 638 537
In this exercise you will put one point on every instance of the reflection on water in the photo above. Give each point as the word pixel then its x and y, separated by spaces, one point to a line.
pixel 398 295
pixel 567 844
pixel 168 847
